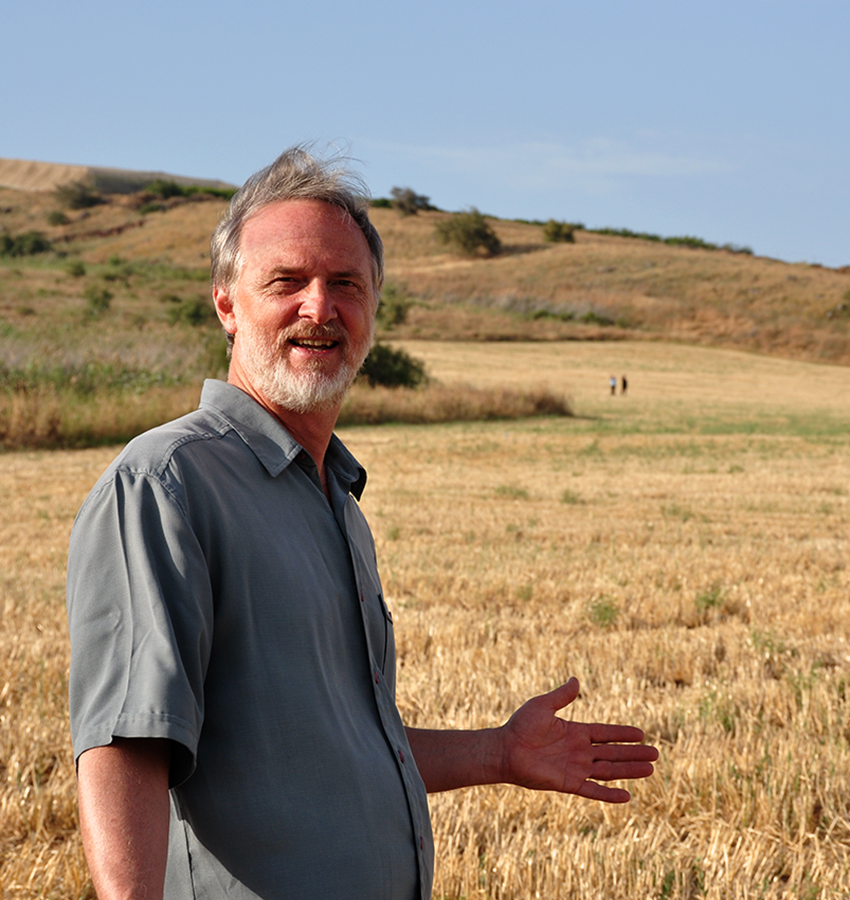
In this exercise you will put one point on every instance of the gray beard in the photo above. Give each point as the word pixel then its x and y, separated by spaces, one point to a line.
pixel 306 391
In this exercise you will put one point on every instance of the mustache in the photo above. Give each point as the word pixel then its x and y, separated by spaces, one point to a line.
pixel 329 332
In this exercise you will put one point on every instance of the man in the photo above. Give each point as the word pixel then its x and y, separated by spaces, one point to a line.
pixel 233 665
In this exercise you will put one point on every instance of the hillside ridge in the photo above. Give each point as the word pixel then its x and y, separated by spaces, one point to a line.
pixel 599 287
pixel 31 175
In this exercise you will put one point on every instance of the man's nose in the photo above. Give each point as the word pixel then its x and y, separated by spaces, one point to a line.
pixel 317 303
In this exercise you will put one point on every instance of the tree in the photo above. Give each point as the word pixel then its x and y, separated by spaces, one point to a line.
pixel 389 367
pixel 559 232
pixel 77 195
pixel 408 202
pixel 469 233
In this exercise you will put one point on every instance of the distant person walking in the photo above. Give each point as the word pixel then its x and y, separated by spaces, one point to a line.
pixel 613 383
pixel 625 385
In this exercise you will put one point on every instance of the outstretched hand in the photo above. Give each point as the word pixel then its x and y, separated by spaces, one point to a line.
pixel 542 751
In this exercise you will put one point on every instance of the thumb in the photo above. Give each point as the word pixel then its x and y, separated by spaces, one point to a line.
pixel 562 696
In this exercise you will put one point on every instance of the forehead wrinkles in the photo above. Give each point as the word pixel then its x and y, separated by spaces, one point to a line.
pixel 308 239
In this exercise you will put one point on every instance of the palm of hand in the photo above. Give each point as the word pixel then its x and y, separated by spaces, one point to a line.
pixel 546 752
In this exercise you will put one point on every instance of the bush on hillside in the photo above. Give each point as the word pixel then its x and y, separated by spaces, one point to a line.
pixel 392 368
pixel 407 202
pixel 393 307
pixel 77 195
pixel 57 217
pixel 594 318
pixel 694 243
pixel 192 311
pixel 559 232
pixel 469 233
pixel 97 301
pixel 165 189
pixel 27 244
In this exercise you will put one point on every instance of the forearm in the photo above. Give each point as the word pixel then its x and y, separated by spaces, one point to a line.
pixel 453 759
pixel 536 749
pixel 124 813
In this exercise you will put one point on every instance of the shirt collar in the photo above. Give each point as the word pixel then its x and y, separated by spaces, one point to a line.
pixel 270 442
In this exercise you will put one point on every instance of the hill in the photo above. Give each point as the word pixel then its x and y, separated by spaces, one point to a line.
pixel 29 175
pixel 141 249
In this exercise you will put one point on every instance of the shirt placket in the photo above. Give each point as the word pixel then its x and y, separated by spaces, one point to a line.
pixel 384 690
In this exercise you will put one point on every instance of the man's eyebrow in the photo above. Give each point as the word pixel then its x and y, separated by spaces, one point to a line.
pixel 300 270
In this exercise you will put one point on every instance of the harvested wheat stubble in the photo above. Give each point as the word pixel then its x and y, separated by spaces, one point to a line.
pixel 695 582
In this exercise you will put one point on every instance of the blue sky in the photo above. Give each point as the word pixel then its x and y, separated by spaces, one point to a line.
pixel 724 120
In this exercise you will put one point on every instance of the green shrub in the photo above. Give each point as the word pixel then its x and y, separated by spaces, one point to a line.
pixel 407 202
pixel 594 318
pixel 57 217
pixel 694 243
pixel 469 233
pixel 192 311
pixel 628 233
pixel 688 240
pixel 381 203
pixel 393 307
pixel 77 195
pixel 76 269
pixel 166 189
pixel 559 232
pixel 392 368
pixel 98 300
pixel 27 244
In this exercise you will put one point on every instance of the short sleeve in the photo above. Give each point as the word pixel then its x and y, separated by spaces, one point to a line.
pixel 140 618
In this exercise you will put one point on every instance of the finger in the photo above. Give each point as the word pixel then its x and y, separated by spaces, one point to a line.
pixel 605 734
pixel 594 791
pixel 562 696
pixel 602 770
pixel 625 752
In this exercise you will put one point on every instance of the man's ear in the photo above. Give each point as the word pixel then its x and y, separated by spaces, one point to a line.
pixel 224 308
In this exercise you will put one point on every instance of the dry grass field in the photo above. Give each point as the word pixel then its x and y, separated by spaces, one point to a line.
pixel 682 549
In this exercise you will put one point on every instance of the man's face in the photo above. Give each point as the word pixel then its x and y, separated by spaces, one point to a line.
pixel 303 305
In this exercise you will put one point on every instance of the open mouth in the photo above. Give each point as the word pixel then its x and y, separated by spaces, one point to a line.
pixel 313 343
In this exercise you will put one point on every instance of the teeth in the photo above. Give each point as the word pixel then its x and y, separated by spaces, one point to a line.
pixel 319 344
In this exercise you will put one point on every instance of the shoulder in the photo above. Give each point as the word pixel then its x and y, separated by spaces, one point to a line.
pixel 162 455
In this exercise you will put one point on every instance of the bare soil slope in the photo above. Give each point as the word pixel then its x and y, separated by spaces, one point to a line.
pixel 28 175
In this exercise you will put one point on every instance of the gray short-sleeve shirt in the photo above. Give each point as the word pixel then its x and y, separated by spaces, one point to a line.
pixel 217 599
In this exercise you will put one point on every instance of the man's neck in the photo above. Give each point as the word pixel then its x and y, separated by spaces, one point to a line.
pixel 313 430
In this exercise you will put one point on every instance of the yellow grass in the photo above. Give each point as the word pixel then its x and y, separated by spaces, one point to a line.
pixel 47 417
pixel 682 550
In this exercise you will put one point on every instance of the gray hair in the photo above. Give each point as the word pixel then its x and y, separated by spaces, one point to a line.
pixel 295 175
